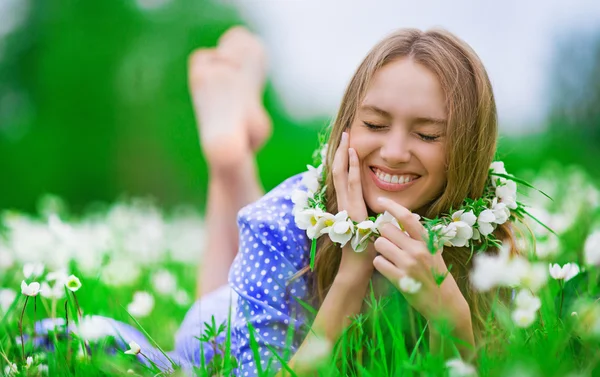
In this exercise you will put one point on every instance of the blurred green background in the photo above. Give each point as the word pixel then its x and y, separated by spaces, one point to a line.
pixel 94 105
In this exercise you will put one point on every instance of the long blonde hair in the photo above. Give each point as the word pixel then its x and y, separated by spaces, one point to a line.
pixel 471 140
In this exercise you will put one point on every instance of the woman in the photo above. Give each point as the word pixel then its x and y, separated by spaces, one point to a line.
pixel 419 111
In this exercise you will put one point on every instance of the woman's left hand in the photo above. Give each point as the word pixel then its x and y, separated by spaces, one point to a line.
pixel 405 255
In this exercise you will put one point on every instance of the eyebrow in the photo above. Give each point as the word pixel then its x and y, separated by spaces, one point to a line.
pixel 418 120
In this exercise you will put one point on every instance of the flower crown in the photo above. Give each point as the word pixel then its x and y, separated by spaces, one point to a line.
pixel 471 225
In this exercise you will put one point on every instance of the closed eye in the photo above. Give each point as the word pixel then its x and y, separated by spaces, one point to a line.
pixel 372 126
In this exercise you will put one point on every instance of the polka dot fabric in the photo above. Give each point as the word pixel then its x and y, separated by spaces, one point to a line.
pixel 271 250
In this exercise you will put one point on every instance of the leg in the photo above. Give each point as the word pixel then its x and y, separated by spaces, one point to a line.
pixel 226 85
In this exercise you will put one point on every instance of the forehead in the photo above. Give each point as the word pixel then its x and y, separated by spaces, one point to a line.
pixel 404 88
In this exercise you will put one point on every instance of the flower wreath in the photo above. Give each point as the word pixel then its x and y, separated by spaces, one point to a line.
pixel 472 224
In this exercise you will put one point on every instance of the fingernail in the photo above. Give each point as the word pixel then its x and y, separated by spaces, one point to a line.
pixel 344 136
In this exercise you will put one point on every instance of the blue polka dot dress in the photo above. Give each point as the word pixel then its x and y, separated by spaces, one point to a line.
pixel 272 250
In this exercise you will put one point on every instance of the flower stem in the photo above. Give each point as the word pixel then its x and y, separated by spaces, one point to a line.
pixel 21 327
pixel 562 298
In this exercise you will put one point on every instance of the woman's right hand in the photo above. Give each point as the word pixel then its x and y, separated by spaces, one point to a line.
pixel 348 187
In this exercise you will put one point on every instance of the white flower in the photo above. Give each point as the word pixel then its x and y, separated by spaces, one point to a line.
pixel 142 304
pixel 385 219
pixel 591 249
pixel 33 270
pixel 310 179
pixel 6 259
pixel 508 194
pixel 446 233
pixel 491 271
pixel 120 271
pixel 164 282
pixel 134 348
pixel 313 220
pixel 94 328
pixel 55 292
pixel 498 168
pixel 42 369
pixel 11 370
pixel 32 289
pixel 73 284
pixel 531 275
pixel 526 301
pixel 409 285
pixel 341 230
pixel 29 362
pixel 59 276
pixel 464 227
pixel 523 318
pixel 485 220
pixel 547 248
pixel 566 272
pixel 300 200
pixel 501 212
pixel 181 297
pixel 458 368
pixel 363 231
pixel 7 297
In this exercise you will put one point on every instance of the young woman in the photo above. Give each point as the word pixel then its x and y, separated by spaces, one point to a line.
pixel 415 133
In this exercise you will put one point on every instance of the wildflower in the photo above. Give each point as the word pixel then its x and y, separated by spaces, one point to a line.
pixel 11 370
pixel 59 276
pixel 547 248
pixel 142 304
pixel 523 318
pixel 7 297
pixel 526 307
pixel 409 285
pixel 530 275
pixel 458 368
pixel 164 282
pixel 73 284
pixel 445 233
pixel 566 272
pixel 363 231
pixel 341 230
pixel 120 272
pixel 498 168
pixel 134 348
pixel 32 289
pixel 28 362
pixel 464 227
pixel 501 212
pixel 507 193
pixel 181 297
pixel 313 220
pixel 94 328
pixel 384 219
pixel 485 220
pixel 33 270
pixel 55 292
pixel 310 179
pixel 300 200
pixel 591 249
pixel 42 369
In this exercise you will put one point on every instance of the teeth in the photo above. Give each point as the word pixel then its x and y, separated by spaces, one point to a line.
pixel 400 179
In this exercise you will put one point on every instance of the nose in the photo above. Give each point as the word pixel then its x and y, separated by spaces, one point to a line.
pixel 396 148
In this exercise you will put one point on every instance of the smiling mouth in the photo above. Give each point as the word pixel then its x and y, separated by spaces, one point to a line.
pixel 390 182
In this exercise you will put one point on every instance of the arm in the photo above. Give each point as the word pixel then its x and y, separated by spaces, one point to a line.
pixel 462 330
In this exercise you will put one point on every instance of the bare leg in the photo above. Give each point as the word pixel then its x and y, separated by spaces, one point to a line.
pixel 226 84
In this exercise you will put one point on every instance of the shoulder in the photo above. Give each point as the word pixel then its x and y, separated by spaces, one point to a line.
pixel 267 228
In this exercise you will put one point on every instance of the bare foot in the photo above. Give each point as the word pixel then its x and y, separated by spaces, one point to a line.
pixel 241 46
pixel 217 89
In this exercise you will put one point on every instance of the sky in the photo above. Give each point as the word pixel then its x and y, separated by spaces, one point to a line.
pixel 315 45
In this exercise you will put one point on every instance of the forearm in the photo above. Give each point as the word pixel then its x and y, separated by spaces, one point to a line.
pixel 462 333
pixel 228 192
pixel 343 300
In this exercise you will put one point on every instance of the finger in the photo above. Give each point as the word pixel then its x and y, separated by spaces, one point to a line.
pixel 397 236
pixel 339 171
pixel 387 269
pixel 406 218
pixel 399 257
pixel 355 196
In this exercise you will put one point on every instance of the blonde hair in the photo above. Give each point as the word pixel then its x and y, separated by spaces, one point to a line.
pixel 471 141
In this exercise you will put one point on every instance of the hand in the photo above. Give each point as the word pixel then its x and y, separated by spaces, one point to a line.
pixel 348 187
pixel 405 253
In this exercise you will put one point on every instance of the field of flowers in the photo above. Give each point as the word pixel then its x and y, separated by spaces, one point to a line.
pixel 135 263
